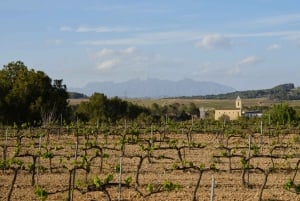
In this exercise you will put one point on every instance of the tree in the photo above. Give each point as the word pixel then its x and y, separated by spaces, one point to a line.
pixel 117 109
pixel 95 109
pixel 99 107
pixel 27 95
pixel 282 114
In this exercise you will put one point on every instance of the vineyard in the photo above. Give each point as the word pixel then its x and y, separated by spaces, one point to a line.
pixel 170 161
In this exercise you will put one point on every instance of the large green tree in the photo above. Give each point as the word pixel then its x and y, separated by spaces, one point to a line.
pixel 29 96
pixel 101 108
pixel 282 114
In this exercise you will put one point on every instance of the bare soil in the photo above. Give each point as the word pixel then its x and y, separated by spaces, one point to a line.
pixel 157 171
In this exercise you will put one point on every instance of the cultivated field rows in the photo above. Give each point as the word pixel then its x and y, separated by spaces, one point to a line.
pixel 167 158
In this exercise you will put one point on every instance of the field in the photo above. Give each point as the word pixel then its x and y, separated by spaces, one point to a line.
pixel 206 103
pixel 159 162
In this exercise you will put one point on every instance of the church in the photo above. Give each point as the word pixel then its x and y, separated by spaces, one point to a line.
pixel 232 114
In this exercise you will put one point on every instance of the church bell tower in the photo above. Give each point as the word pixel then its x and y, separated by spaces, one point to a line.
pixel 238 103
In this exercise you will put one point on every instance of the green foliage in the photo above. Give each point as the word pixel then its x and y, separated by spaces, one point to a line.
pixel 48 155
pixel 128 180
pixel 255 149
pixel 3 164
pixel 282 114
pixel 108 178
pixel 297 139
pixel 289 185
pixel 170 186
pixel 41 193
pixel 149 188
pixel 97 182
pixel 28 96
pixel 117 168
pixel 100 108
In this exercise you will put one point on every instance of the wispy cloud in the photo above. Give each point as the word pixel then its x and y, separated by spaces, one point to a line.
pixel 273 47
pixel 251 60
pixel 108 64
pixel 105 52
pixel 149 38
pixel 97 29
pixel 54 42
pixel 100 29
pixel 205 41
pixel 288 33
pixel 107 59
pixel 214 41
pixel 121 41
pixel 278 20
pixel 66 29
pixel 248 61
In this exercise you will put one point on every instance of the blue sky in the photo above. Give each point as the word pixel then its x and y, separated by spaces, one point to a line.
pixel 249 44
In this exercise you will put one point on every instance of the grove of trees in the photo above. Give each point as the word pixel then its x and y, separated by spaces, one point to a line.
pixel 29 96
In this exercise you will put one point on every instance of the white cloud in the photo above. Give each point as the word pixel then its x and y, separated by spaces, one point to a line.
pixel 129 50
pixel 109 59
pixel 214 41
pixel 105 65
pixel 149 38
pixel 273 47
pixel 55 42
pixel 123 41
pixel 248 61
pixel 278 20
pixel 295 39
pixel 288 33
pixel 100 29
pixel 65 28
pixel 251 60
pixel 104 52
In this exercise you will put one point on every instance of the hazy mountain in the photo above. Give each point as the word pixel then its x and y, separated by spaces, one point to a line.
pixel 154 88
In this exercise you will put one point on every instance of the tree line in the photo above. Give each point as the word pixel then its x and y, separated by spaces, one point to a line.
pixel 32 98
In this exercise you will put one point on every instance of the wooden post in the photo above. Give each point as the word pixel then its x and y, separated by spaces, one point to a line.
pixel 261 137
pixel 151 140
pixel 5 145
pixel 61 125
pixel 97 131
pixel 212 190
pixel 38 161
pixel 120 179
pixel 5 149
pixel 249 154
pixel 74 172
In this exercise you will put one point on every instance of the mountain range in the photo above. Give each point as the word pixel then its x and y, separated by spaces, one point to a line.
pixel 154 88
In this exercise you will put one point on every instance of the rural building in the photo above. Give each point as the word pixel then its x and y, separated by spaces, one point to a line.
pixel 202 113
pixel 233 113
pixel 251 114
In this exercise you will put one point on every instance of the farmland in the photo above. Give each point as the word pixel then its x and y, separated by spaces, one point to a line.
pixel 206 103
pixel 168 161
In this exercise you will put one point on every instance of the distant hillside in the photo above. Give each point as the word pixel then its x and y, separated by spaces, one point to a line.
pixel 280 92
pixel 154 88
pixel 75 95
